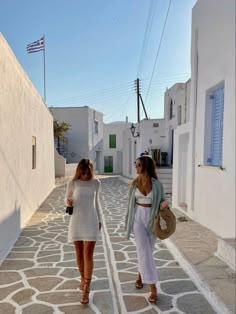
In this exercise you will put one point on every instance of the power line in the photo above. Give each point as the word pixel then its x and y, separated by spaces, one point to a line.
pixel 112 90
pixel 168 77
pixel 148 27
pixel 124 106
pixel 95 97
pixel 95 92
pixel 167 13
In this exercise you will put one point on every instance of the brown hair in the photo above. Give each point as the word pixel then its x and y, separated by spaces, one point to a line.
pixel 147 167
pixel 82 166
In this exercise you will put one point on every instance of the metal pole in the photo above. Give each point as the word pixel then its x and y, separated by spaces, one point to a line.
pixel 138 106
pixel 44 68
pixel 143 107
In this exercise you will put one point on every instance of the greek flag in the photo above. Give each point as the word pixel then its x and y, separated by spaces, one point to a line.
pixel 36 46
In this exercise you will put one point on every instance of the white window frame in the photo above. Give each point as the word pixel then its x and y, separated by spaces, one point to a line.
pixel 209 144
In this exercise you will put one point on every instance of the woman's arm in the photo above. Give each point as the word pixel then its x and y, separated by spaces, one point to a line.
pixel 164 203
pixel 127 212
pixel 97 202
pixel 69 193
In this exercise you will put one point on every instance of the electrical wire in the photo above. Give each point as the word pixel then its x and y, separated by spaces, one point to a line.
pixel 159 47
pixel 97 98
pixel 94 93
pixel 148 27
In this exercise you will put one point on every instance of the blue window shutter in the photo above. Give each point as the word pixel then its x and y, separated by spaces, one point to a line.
pixel 217 127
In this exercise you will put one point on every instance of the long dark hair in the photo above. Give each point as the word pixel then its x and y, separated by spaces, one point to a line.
pixel 82 166
pixel 147 167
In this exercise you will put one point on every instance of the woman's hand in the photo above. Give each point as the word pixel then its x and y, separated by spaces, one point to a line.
pixel 99 226
pixel 164 204
pixel 69 202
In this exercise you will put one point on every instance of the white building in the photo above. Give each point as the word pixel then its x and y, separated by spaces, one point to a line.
pixel 151 138
pixel 204 152
pixel 113 146
pixel 156 135
pixel 26 149
pixel 85 139
pixel 176 112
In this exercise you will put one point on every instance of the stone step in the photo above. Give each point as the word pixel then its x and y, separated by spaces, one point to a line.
pixel 226 251
pixel 165 176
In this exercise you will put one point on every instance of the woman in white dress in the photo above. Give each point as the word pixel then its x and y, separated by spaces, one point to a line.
pixel 85 223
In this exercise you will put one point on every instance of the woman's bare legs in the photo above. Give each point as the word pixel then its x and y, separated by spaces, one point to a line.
pixel 88 269
pixel 79 249
pixel 153 296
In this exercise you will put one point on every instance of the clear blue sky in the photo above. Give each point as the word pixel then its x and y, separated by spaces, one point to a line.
pixel 93 50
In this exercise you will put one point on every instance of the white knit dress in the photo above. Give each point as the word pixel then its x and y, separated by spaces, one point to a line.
pixel 84 222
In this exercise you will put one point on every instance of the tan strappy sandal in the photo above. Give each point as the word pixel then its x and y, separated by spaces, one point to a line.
pixel 81 285
pixel 85 295
pixel 138 282
pixel 153 296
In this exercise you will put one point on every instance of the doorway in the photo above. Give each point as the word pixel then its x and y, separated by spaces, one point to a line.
pixel 98 161
pixel 172 147
pixel 108 163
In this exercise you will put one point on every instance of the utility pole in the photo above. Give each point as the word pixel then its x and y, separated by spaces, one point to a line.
pixel 138 104
pixel 138 101
pixel 144 109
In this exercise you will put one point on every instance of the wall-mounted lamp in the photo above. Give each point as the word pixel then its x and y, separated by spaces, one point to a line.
pixel 132 129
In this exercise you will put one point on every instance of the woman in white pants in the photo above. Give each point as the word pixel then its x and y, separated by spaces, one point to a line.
pixel 146 196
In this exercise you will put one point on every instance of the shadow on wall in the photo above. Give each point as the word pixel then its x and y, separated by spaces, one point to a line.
pixel 10 229
pixel 11 226
pixel 14 178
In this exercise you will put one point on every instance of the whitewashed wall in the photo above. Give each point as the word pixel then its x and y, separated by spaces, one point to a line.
pixel 60 164
pixel 83 142
pixel 210 191
pixel 23 115
pixel 116 128
pixel 131 149
pixel 153 137
pixel 96 139
pixel 179 93
pixel 181 168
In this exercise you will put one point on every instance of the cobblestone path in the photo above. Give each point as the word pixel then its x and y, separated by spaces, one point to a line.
pixel 40 273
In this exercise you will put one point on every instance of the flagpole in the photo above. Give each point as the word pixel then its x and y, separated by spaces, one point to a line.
pixel 44 68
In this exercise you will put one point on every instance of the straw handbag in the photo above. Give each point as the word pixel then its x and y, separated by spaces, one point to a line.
pixel 164 224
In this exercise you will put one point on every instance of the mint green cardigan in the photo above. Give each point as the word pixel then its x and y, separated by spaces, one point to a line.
pixel 158 197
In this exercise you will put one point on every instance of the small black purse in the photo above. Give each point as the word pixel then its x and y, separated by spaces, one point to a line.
pixel 69 210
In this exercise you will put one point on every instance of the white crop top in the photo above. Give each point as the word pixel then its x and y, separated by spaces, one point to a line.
pixel 143 199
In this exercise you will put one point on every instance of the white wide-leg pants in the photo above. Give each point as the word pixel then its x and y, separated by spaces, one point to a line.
pixel 145 245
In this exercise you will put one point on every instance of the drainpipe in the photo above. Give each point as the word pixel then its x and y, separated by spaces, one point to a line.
pixel 93 152
pixel 195 101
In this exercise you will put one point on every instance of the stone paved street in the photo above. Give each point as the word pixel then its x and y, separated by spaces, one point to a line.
pixel 40 273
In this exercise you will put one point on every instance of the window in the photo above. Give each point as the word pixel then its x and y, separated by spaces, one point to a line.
pixel 214 120
pixel 95 126
pixel 179 115
pixel 33 152
pixel 171 110
pixel 112 141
